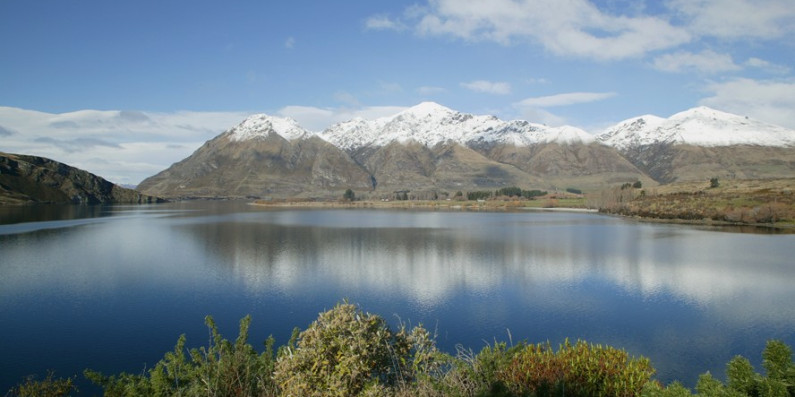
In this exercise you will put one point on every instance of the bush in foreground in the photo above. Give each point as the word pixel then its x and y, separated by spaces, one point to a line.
pixel 347 352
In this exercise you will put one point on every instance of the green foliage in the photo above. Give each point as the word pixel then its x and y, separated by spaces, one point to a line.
pixel 533 193
pixel 675 389
pixel 478 195
pixel 581 369
pixel 573 190
pixel 347 352
pixel 514 191
pixel 777 361
pixel 223 368
pixel 47 387
pixel 741 375
pixel 636 185
pixel 348 195
pixel 714 182
pixel 743 381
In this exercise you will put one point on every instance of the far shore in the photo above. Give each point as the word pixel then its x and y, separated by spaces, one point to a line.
pixel 572 205
pixel 567 205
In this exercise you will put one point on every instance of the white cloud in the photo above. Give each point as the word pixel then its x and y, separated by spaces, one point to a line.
pixel 570 98
pixel 388 87
pixel 563 27
pixel 489 87
pixel 430 90
pixel 736 19
pixel 6 132
pixel 767 100
pixel 541 116
pixel 533 109
pixel 596 29
pixel 767 66
pixel 106 143
pixel 318 119
pixel 707 61
pixel 381 22
pixel 537 81
pixel 309 117
pixel 346 98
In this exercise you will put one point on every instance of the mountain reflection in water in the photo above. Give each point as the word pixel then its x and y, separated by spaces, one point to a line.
pixel 121 285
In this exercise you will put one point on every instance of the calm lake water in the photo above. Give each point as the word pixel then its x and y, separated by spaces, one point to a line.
pixel 112 288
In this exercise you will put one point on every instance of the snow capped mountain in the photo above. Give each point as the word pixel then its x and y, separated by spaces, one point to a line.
pixel 700 126
pixel 260 125
pixel 430 124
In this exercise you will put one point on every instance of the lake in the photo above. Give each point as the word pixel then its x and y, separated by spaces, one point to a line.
pixel 112 288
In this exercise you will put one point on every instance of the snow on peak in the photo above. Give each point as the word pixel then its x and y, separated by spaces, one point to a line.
pixel 701 126
pixel 427 109
pixel 260 125
pixel 429 123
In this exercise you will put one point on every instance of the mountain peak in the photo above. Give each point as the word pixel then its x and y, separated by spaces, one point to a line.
pixel 260 125
pixel 700 126
pixel 427 108
pixel 703 112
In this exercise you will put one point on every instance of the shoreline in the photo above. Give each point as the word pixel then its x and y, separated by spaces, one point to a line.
pixel 512 206
pixel 423 205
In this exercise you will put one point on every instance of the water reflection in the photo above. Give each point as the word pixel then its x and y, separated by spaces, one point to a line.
pixel 431 256
pixel 688 298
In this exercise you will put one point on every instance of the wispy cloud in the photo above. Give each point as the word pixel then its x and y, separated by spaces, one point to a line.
pixel 489 87
pixel 382 22
pixel 766 66
pixel 106 143
pixel 569 28
pixel 566 99
pixel 317 119
pixel 77 144
pixel 430 90
pixel 6 131
pixel 594 30
pixel 289 43
pixel 769 100
pixel 707 61
pixel 736 19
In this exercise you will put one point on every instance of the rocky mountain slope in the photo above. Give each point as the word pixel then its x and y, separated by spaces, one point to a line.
pixel 30 179
pixel 429 147
pixel 263 156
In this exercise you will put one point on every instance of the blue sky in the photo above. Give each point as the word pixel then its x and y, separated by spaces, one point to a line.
pixel 583 63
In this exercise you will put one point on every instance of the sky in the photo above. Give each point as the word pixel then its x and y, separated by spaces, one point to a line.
pixel 125 89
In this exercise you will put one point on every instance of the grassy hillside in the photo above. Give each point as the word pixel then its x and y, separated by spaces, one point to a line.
pixel 768 202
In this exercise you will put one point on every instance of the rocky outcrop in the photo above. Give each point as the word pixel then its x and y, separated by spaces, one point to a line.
pixel 30 179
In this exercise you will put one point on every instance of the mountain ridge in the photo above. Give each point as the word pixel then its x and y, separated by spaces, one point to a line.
pixel 26 179
pixel 430 147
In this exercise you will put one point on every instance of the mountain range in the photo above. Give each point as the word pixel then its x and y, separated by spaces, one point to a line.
pixel 431 149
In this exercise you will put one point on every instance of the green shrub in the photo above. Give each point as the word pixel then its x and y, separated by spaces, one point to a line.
pixel 222 368
pixel 478 195
pixel 347 352
pixel 47 387
pixel 580 369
